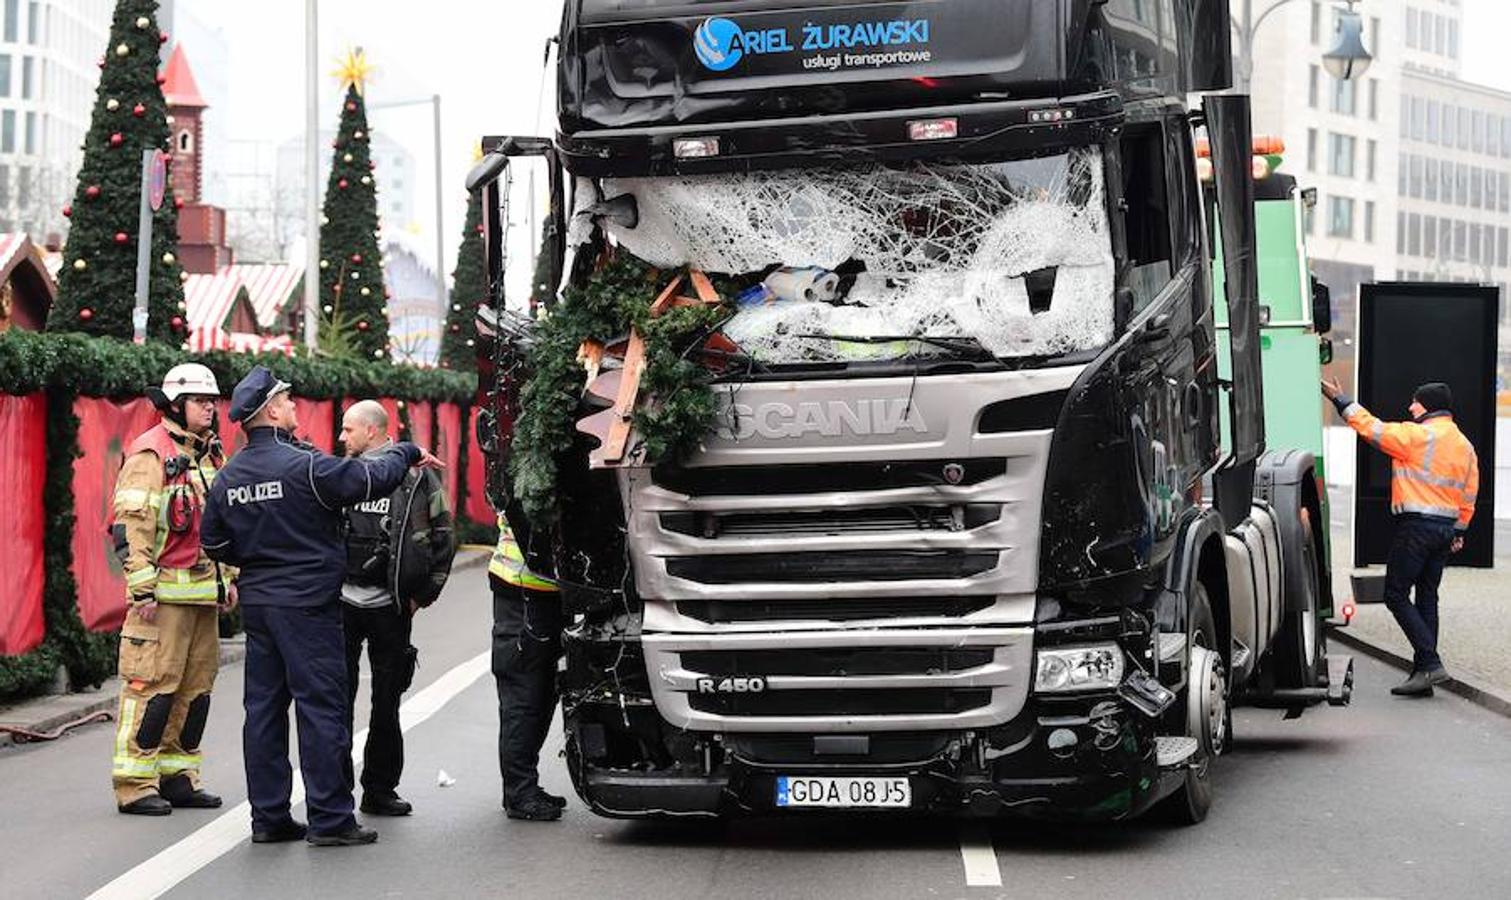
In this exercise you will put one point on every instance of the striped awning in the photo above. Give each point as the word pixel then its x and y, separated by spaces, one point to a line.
pixel 210 298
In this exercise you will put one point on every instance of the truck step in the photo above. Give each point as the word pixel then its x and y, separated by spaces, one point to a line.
pixel 1171 646
pixel 1174 751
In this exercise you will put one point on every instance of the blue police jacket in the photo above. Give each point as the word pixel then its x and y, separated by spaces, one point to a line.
pixel 277 510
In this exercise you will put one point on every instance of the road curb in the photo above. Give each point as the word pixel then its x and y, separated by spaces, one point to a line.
pixel 1469 689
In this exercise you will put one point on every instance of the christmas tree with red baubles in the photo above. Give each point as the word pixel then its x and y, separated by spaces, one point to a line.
pixel 97 287
pixel 352 294
pixel 469 289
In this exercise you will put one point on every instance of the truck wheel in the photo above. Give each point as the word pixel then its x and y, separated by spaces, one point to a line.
pixel 1207 713
pixel 1301 651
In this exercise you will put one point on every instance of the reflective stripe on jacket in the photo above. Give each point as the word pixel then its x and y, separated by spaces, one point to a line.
pixel 508 563
pixel 1434 469
pixel 160 516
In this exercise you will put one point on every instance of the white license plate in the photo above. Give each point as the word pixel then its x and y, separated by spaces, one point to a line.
pixel 841 793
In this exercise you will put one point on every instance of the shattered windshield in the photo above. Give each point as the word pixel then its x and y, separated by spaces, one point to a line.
pixel 1014 256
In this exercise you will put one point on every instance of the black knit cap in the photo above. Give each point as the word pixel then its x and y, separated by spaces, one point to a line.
pixel 1435 397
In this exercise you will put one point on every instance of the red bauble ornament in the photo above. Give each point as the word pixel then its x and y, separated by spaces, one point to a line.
pixel 100 62
pixel 372 165
pixel 86 314
pixel 342 184
pixel 162 38
pixel 351 107
pixel 139 110
pixel 336 290
pixel 68 212
pixel 178 202
pixel 456 329
pixel 178 323
pixel 357 258
pixel 479 229
pixel 362 325
pixel 162 80
pixel 117 139
pixel 92 192
pixel 122 237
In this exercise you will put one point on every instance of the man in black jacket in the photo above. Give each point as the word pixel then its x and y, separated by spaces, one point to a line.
pixel 398 556
pixel 276 512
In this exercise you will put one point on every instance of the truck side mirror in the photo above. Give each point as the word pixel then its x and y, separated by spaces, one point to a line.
pixel 1322 307
pixel 1325 351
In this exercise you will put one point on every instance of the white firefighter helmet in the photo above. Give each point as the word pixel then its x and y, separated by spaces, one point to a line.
pixel 189 380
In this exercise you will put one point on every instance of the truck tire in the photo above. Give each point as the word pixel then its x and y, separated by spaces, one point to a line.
pixel 1301 647
pixel 1207 714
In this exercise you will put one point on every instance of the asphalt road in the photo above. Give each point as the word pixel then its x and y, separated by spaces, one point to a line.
pixel 1388 798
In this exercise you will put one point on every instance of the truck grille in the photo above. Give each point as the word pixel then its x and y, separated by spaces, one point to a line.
pixel 874 680
pixel 796 568
pixel 735 611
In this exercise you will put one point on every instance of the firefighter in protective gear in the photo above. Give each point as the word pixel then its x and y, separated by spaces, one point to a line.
pixel 170 643
pixel 1433 490
pixel 527 623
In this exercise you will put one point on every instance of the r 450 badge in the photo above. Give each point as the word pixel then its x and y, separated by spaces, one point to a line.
pixel 731 685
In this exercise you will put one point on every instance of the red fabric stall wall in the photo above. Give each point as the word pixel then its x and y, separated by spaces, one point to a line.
pixel 422 417
pixel 106 431
pixel 448 442
pixel 232 438
pixel 23 471
pixel 317 422
pixel 478 507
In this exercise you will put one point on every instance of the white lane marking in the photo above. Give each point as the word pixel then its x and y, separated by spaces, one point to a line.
pixel 165 871
pixel 980 857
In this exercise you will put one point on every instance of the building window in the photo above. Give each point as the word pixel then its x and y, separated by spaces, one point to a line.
pixel 1460 240
pixel 1369 159
pixel 1429 236
pixel 1345 97
pixel 1369 221
pixel 1476 187
pixel 1453 39
pixel 1492 134
pixel 4 74
pixel 1434 112
pixel 1411 28
pixel 1418 118
pixel 1311 149
pixel 1450 124
pixel 1474 243
pixel 1504 192
pixel 8 131
pixel 33 22
pixel 1477 139
pixel 12 20
pixel 1316 22
pixel 1340 155
pixel 1414 180
pixel 1440 38
pixel 1430 180
pixel 185 142
pixel 1374 100
pixel 31 133
pixel 1413 235
pixel 1461 185
pixel 26 73
pixel 1314 77
pixel 1340 217
pixel 1463 128
pixel 1402 165
pixel 1501 248
pixel 1400 233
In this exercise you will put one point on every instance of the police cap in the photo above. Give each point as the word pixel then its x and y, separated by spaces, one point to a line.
pixel 253 393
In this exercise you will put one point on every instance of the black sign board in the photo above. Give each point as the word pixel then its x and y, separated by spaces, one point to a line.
pixel 1411 334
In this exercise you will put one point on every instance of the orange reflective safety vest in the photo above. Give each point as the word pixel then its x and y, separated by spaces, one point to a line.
pixel 1434 469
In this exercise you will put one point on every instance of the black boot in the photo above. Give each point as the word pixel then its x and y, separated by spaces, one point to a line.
pixel 554 800
pixel 1418 685
pixel 533 808
pixel 354 836
pixel 281 833
pixel 181 792
pixel 1438 676
pixel 150 805
pixel 386 805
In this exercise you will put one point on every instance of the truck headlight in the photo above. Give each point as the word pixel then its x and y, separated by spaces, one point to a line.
pixel 1087 667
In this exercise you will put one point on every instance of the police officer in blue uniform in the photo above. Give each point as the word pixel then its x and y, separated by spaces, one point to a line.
pixel 276 512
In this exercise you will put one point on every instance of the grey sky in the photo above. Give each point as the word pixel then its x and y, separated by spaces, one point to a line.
pixel 484 58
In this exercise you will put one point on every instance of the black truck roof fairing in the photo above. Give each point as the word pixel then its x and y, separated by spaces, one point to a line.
pixel 851 73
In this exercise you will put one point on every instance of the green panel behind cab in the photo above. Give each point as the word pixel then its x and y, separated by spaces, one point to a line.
pixel 1289 348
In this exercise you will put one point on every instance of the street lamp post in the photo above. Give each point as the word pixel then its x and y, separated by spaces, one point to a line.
pixel 1348 58
pixel 440 183
pixel 311 175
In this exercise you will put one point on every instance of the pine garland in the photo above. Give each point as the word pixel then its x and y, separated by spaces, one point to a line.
pixel 677 408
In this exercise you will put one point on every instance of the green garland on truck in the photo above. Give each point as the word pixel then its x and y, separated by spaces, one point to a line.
pixel 67 366
pixel 677 408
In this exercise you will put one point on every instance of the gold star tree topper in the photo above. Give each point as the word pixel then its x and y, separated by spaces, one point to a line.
pixel 353 70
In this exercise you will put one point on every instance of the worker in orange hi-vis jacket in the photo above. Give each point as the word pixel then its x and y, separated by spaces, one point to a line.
pixel 1435 480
